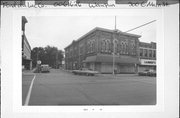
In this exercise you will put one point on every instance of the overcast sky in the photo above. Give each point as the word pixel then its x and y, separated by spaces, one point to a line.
pixel 60 31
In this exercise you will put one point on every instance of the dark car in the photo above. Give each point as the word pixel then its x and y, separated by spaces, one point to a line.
pixel 85 71
pixel 152 73
pixel 149 72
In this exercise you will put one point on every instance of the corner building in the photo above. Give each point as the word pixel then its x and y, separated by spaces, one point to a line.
pixel 94 50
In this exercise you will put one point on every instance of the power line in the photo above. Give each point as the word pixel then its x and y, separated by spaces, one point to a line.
pixel 141 26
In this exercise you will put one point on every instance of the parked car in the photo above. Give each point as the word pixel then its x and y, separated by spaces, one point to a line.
pixel 85 71
pixel 148 72
pixel 152 73
pixel 45 68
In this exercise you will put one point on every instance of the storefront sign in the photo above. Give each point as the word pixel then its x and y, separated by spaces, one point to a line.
pixel 148 62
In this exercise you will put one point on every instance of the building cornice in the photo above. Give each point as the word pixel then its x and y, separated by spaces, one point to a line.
pixel 106 30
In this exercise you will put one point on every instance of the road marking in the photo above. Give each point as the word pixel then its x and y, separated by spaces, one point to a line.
pixel 29 92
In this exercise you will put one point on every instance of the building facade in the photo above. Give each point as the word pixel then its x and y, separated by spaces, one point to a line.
pixel 147 56
pixel 26 48
pixel 104 50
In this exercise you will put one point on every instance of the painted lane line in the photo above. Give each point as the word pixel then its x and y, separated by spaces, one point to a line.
pixel 29 92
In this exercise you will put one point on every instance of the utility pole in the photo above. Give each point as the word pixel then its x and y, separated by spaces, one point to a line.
pixel 114 45
pixel 37 65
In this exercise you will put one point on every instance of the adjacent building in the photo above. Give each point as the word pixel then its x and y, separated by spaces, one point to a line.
pixel 26 48
pixel 147 56
pixel 104 50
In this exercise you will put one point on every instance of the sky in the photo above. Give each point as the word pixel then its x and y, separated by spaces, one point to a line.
pixel 60 31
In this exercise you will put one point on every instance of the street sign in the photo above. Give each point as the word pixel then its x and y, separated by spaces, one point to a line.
pixel 38 62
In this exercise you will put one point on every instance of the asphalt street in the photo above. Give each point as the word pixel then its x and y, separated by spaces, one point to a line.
pixel 60 87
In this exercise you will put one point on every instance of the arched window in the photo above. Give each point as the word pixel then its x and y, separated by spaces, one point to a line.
pixel 103 46
pixel 122 47
pixel 107 45
pixel 126 51
pixel 105 41
pixel 93 45
pixel 119 47
pixel 133 49
pixel 125 48
pixel 89 47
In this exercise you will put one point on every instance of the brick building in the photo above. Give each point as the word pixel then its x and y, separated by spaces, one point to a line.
pixel 147 56
pixel 94 50
pixel 26 48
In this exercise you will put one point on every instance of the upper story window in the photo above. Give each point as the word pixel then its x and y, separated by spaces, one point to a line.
pixel 150 53
pixel 90 46
pixel 107 46
pixel 75 51
pixel 124 50
pixel 93 46
pixel 122 47
pixel 133 48
pixel 154 53
pixel 81 50
pixel 145 52
pixel 103 46
pixel 141 52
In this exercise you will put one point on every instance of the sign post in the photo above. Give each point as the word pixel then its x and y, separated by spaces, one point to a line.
pixel 38 65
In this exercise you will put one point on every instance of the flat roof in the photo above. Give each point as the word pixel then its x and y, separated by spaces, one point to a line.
pixel 103 29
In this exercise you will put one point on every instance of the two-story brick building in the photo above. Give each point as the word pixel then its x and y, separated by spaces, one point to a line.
pixel 94 50
pixel 147 56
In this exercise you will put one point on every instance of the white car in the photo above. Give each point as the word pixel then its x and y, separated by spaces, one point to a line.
pixel 45 68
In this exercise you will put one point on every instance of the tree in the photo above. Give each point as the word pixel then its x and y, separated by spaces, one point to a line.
pixel 48 55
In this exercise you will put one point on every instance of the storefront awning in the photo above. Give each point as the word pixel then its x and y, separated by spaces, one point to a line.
pixel 109 59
